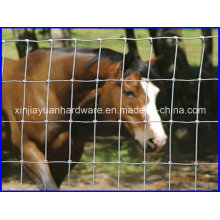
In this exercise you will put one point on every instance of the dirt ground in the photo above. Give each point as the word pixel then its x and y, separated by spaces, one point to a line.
pixel 105 181
pixel 131 176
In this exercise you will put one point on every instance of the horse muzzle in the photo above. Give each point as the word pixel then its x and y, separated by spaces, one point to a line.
pixel 152 145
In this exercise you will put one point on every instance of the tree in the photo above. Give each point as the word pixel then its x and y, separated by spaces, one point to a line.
pixel 21 34
pixel 133 54
pixel 132 46
pixel 30 33
pixel 61 33
pixel 165 48
pixel 207 72
pixel 207 62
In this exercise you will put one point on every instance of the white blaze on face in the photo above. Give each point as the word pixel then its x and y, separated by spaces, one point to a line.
pixel 151 110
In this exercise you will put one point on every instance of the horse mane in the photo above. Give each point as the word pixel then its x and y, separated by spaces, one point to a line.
pixel 111 55
pixel 131 64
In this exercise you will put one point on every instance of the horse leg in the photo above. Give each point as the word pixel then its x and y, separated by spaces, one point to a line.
pixel 60 170
pixel 61 144
pixel 39 172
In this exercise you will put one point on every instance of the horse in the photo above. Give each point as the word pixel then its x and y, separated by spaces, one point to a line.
pixel 82 78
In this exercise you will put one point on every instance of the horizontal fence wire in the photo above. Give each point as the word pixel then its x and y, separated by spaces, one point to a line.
pixel 111 121
pixel 110 162
pixel 114 38
pixel 169 163
pixel 106 80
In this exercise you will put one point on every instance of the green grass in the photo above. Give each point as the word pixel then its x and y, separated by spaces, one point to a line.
pixel 192 47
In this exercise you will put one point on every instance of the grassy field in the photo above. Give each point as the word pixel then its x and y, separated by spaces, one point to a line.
pixel 192 47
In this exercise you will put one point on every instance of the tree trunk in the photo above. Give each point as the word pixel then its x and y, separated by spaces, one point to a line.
pixel 24 33
pixel 63 33
pixel 207 72
pixel 165 48
pixel 132 46
pixel 45 33
pixel 207 62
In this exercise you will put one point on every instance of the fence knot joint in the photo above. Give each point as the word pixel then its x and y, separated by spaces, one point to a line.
pixel 170 162
pixel 196 164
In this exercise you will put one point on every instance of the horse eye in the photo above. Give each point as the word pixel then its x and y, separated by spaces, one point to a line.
pixel 129 93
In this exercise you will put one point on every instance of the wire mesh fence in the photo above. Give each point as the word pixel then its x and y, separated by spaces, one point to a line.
pixel 95 121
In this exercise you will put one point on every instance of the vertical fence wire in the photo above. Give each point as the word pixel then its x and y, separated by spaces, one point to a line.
pixel 71 115
pixel 22 120
pixel 147 80
pixel 95 115
pixel 197 112
pixel 120 107
pixel 3 56
pixel 46 115
pixel 171 112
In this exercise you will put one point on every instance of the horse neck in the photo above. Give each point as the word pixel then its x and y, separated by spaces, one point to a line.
pixel 106 70
pixel 62 67
pixel 83 71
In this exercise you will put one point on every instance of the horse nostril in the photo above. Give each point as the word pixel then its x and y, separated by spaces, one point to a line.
pixel 151 140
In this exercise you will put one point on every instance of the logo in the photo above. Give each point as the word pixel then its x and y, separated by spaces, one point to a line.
pixel 157 182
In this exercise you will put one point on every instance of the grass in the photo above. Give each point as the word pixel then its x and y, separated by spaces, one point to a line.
pixel 192 47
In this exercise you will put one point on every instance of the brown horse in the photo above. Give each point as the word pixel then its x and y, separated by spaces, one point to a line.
pixel 44 138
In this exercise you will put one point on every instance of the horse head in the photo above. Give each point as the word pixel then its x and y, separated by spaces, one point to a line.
pixel 131 98
pixel 137 109
pixel 140 116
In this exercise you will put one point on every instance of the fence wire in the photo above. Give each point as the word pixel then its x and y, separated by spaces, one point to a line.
pixel 120 121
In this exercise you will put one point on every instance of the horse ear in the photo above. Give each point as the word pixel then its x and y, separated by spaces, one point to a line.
pixel 154 61
pixel 89 97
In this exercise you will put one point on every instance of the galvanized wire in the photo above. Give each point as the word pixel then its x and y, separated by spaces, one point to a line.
pixel 3 56
pixel 71 115
pixel 120 106
pixel 197 114
pixel 22 120
pixel 95 115
pixel 120 121
pixel 171 113
pixel 46 115
pixel 145 113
